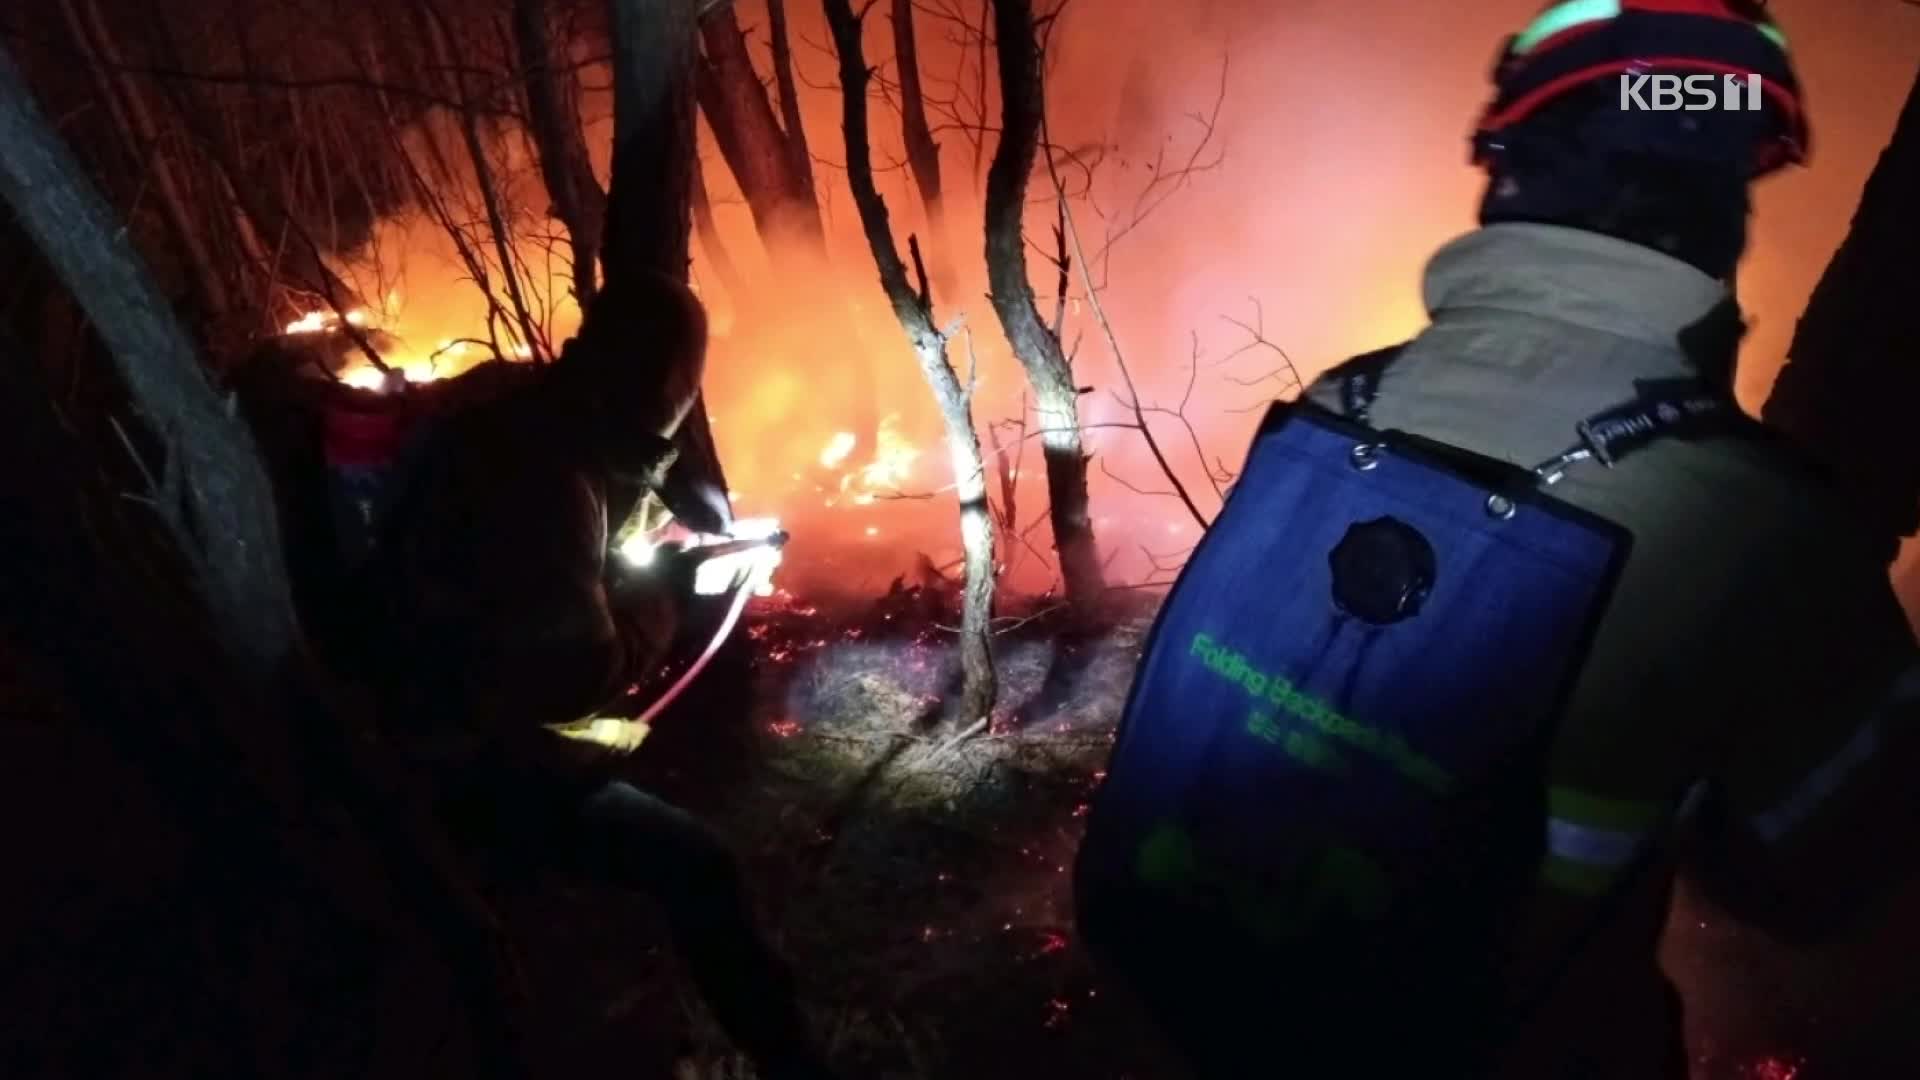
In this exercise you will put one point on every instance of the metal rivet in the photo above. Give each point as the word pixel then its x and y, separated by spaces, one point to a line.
pixel 1365 457
pixel 1501 507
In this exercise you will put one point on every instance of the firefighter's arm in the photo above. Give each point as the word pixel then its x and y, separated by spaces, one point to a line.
pixel 1803 830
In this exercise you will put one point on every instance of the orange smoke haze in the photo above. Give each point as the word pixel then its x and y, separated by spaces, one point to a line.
pixel 1341 165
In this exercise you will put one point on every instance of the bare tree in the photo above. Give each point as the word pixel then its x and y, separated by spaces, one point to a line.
pixel 553 119
pixel 914 309
pixel 1056 395
pixel 1852 381
pixel 461 90
pixel 711 241
pixel 280 739
pixel 650 209
pixel 923 154
pixel 134 116
pixel 776 180
pixel 783 80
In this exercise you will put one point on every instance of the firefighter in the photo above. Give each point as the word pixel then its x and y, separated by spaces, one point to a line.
pixel 489 620
pixel 1746 710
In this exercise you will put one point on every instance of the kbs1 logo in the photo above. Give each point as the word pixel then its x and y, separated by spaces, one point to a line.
pixel 1692 93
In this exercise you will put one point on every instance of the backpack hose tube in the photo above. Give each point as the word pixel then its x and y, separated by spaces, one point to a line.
pixel 756 577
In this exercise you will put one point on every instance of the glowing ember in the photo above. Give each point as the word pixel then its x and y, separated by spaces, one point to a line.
pixel 1774 1068
pixel 785 729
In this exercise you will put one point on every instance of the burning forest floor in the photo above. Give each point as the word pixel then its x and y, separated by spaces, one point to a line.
pixel 921 885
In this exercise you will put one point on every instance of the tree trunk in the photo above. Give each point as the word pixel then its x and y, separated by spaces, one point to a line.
pixel 1056 396
pixel 268 764
pixel 129 109
pixel 1850 391
pixel 923 154
pixel 790 117
pixel 759 153
pixel 915 312
pixel 711 241
pixel 553 118
pixel 650 208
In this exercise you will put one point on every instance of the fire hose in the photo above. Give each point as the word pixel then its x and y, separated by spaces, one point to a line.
pixel 763 555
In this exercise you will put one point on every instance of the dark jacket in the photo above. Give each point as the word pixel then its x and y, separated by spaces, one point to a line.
pixel 490 610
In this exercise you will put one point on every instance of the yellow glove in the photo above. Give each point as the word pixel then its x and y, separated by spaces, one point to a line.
pixel 616 733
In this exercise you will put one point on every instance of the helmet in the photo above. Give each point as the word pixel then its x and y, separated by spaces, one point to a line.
pixel 1581 44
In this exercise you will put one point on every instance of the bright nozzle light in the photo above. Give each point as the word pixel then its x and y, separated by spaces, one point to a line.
pixel 638 550
pixel 754 566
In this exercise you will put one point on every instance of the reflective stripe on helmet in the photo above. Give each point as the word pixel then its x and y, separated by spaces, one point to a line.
pixel 1563 17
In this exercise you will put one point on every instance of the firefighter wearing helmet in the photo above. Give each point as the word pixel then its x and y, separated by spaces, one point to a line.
pixel 1747 705
pixel 1739 708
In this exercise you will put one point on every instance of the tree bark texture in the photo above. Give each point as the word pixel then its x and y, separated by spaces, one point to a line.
pixel 915 313
pixel 1850 391
pixel 1056 396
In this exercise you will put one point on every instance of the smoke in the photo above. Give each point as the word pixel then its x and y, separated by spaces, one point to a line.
pixel 1335 164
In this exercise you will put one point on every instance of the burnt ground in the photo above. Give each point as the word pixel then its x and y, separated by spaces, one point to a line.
pixel 922 887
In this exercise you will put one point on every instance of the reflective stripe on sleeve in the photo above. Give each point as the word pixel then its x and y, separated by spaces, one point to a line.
pixel 1592 839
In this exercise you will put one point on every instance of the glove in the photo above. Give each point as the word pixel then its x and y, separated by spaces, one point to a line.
pixel 615 733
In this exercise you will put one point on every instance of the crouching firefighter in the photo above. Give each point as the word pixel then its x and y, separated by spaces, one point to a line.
pixel 1501 629
pixel 488 622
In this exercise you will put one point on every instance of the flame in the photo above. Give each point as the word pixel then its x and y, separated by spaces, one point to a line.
pixel 366 377
pixel 837 449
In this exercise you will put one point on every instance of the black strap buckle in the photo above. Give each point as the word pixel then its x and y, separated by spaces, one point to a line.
pixel 1686 409
pixel 1360 382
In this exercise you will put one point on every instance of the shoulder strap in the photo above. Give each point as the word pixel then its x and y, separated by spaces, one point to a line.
pixel 1688 409
pixel 1360 381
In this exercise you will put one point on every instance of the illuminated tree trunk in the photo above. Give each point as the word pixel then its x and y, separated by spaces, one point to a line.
pixel 1851 389
pixel 553 118
pixel 915 312
pixel 1056 396
pixel 761 155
